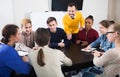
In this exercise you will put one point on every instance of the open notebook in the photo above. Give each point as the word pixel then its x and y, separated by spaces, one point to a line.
pixel 22 53
pixel 88 50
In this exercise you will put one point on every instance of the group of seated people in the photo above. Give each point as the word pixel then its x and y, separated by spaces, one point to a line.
pixel 44 59
pixel 45 55
pixel 43 47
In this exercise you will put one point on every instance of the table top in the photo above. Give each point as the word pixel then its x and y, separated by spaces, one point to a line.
pixel 79 58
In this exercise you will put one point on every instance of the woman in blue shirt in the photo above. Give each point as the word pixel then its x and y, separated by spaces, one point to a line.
pixel 9 58
pixel 102 42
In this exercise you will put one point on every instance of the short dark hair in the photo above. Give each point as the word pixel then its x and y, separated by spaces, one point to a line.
pixel 72 4
pixel 90 17
pixel 51 19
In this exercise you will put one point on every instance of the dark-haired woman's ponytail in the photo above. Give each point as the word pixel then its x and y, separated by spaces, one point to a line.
pixel 40 58
pixel 4 40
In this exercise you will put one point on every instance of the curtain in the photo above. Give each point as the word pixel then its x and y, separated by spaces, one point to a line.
pixel 114 10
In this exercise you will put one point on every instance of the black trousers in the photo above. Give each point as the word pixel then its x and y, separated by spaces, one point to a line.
pixel 73 37
pixel 117 76
pixel 31 74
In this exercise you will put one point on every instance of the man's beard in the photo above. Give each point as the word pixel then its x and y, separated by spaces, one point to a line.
pixel 73 17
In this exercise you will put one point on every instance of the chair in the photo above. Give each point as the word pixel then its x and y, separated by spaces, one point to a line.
pixel 117 76
pixel 88 74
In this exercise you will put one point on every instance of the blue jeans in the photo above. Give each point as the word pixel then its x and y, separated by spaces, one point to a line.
pixel 88 74
pixel 91 71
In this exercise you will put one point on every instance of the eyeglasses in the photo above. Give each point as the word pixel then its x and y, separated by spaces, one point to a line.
pixel 109 32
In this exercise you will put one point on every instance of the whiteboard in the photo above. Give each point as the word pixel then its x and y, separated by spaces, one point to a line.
pixel 39 18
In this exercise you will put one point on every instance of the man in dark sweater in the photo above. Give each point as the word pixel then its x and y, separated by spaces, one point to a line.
pixel 58 37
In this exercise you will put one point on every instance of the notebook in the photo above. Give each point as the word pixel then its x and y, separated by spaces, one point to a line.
pixel 88 50
pixel 22 53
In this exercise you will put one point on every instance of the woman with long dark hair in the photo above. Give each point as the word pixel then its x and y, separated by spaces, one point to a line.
pixel 47 61
pixel 9 58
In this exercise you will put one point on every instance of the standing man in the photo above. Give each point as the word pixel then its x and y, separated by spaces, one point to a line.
pixel 73 21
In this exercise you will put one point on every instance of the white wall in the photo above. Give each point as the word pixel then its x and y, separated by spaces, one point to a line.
pixel 111 9
pixel 114 10
pixel 12 11
pixel 90 7
pixel 117 11
pixel 97 8
pixel 6 13
pixel 24 7
pixel 39 18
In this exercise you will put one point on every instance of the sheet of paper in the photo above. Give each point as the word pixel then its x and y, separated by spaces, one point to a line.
pixel 88 50
pixel 22 53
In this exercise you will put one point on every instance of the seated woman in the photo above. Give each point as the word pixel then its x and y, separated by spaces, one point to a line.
pixel 58 38
pixel 27 35
pixel 47 61
pixel 102 42
pixel 9 58
pixel 88 34
pixel 110 60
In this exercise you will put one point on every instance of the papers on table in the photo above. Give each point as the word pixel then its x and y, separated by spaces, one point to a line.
pixel 88 50
pixel 22 53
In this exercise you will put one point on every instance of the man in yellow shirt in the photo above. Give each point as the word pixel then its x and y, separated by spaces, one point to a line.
pixel 73 21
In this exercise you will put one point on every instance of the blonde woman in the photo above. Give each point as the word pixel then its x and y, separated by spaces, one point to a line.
pixel 27 35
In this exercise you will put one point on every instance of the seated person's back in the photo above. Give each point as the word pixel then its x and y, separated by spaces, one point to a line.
pixel 47 61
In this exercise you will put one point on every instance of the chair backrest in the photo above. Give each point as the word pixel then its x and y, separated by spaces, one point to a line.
pixel 117 76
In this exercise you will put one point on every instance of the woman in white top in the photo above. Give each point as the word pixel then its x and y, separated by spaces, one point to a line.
pixel 110 60
pixel 47 61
